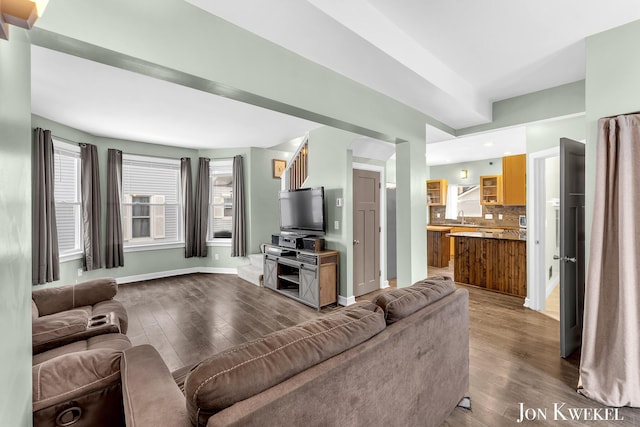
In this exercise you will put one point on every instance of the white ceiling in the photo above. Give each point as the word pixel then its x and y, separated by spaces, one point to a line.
pixel 488 145
pixel 448 59
pixel 111 102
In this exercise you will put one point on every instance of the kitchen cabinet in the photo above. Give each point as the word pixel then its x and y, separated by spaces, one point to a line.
pixel 491 190
pixel 437 192
pixel 514 180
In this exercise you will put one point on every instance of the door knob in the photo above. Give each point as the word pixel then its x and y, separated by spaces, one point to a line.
pixel 565 258
pixel 356 242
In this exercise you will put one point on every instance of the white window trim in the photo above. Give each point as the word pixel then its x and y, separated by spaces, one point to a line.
pixel 73 149
pixel 72 256
pixel 131 245
pixel 154 246
pixel 218 241
pixel 221 242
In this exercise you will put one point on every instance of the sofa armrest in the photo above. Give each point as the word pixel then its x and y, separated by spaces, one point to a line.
pixel 58 329
pixel 61 298
pixel 150 395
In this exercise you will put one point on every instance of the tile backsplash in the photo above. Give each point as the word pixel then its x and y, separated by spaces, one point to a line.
pixel 510 215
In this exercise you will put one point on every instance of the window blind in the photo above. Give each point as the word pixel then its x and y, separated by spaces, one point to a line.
pixel 151 211
pixel 67 197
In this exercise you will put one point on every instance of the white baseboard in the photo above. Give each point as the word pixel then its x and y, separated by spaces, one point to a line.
pixel 170 273
pixel 218 270
pixel 344 301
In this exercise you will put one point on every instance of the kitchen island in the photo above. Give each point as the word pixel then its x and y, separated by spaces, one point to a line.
pixel 438 246
pixel 490 260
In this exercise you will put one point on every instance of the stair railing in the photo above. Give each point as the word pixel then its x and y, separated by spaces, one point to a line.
pixel 297 171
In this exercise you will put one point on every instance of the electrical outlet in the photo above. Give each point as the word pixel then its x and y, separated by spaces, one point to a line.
pixel 488 216
pixel 79 272
pixel 336 225
pixel 500 217
pixel 216 256
pixel 438 215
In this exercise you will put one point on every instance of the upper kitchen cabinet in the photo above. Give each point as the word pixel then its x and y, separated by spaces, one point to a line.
pixel 491 190
pixel 437 192
pixel 514 173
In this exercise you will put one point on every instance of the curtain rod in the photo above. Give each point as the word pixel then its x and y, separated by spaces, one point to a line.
pixel 623 114
pixel 223 158
pixel 145 155
pixel 66 140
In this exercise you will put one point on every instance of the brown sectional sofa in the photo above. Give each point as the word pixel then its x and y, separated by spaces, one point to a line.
pixel 402 361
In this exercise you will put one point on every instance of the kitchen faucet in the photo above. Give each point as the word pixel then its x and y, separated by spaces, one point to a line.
pixel 461 215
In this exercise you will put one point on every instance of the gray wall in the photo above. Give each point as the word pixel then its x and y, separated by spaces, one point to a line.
pixel 330 166
pixel 541 136
pixel 15 229
pixel 613 67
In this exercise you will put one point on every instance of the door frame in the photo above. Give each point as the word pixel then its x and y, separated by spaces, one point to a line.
pixel 384 283
pixel 536 278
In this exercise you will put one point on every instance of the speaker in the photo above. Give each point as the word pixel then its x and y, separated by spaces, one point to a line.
pixel 313 244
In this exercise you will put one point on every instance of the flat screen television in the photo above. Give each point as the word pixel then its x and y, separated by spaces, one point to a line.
pixel 302 211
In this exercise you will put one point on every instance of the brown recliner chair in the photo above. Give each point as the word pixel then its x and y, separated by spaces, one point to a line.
pixel 65 314
pixel 77 347
pixel 79 384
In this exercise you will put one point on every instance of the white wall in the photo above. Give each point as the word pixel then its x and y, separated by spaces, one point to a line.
pixel 552 193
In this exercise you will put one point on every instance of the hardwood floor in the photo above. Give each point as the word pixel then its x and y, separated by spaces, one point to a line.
pixel 188 318
pixel 514 352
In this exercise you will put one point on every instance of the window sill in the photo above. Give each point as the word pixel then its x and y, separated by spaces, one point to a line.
pixel 219 242
pixel 71 257
pixel 153 247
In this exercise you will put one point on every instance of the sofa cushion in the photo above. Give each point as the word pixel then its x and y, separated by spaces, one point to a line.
pixel 52 327
pixel 69 376
pixel 117 342
pixel 248 369
pixel 400 303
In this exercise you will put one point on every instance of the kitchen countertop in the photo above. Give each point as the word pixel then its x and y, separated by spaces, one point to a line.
pixel 509 235
pixel 438 228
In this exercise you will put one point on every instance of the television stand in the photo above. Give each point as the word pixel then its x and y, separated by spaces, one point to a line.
pixel 305 276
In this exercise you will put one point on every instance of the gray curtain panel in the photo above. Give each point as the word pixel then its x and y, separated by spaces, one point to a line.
pixel 46 260
pixel 187 205
pixel 91 207
pixel 238 229
pixel 610 356
pixel 201 214
pixel 115 243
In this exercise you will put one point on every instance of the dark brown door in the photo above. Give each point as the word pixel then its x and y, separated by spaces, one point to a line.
pixel 366 231
pixel 572 247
